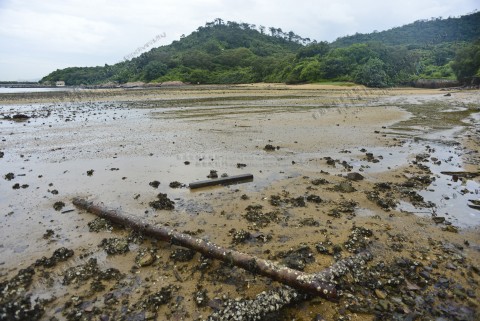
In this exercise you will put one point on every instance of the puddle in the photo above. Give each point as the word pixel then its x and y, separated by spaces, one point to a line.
pixel 451 197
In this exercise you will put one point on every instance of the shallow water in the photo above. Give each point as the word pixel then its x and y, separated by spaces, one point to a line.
pixel 6 90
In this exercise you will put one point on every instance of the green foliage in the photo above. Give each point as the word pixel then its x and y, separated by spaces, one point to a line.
pixel 372 74
pixel 422 33
pixel 197 76
pixel 466 64
pixel 313 49
pixel 229 52
pixel 154 69
pixel 311 71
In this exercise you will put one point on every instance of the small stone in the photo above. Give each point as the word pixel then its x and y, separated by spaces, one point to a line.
pixel 9 176
pixel 115 246
pixel 269 147
pixel 175 184
pixel 344 187
pixel 154 184
pixel 380 294
pixel 438 219
pixel 213 174
pixel 58 206
pixel 163 203
pixel 355 176
pixel 320 181
pixel 384 304
pixel 182 255
pixel 144 258
pixel 450 228
pixel 424 274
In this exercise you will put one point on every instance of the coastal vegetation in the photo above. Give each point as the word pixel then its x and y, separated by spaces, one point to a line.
pixel 230 53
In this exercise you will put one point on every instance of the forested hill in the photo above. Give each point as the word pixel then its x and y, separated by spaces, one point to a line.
pixel 422 32
pixel 219 52
pixel 230 52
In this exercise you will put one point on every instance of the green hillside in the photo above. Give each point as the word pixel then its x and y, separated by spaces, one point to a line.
pixel 422 33
pixel 229 53
pixel 219 52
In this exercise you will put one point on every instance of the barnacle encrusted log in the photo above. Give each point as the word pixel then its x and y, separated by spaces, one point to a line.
pixel 318 284
pixel 264 304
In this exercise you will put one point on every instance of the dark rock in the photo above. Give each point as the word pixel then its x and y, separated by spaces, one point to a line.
pixel 9 176
pixel 355 176
pixel 155 300
pixel 450 228
pixel 115 245
pixel 314 199
pixel 145 257
pixel 175 184
pixel 424 274
pixel 358 239
pixel 182 255
pixel 60 255
pixel 20 117
pixel 344 187
pixel 309 222
pixel 319 181
pixel 240 236
pixel 438 219
pixel 100 224
pixel 201 298
pixel 48 234
pixel 269 147
pixel 330 161
pixel 322 248
pixel 213 174
pixel 297 201
pixel 58 206
pixel 163 203
pixel 154 184
pixel 255 215
pixel 297 258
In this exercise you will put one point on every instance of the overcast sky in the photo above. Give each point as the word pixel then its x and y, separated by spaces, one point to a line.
pixel 37 37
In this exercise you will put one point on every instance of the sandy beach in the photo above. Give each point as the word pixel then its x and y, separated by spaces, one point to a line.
pixel 349 169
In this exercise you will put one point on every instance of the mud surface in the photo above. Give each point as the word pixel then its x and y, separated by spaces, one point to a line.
pixel 346 169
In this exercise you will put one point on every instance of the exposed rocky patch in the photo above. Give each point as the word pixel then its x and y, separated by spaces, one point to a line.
pixel 163 203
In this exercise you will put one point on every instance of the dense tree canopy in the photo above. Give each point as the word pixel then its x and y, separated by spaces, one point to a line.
pixel 230 52
pixel 466 64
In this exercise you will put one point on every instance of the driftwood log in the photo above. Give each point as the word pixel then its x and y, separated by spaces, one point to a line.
pixel 269 302
pixel 222 181
pixel 321 284
pixel 461 174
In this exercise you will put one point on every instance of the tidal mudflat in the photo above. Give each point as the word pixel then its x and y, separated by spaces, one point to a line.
pixel 337 171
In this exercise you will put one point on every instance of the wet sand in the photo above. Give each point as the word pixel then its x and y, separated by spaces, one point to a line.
pixel 108 146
